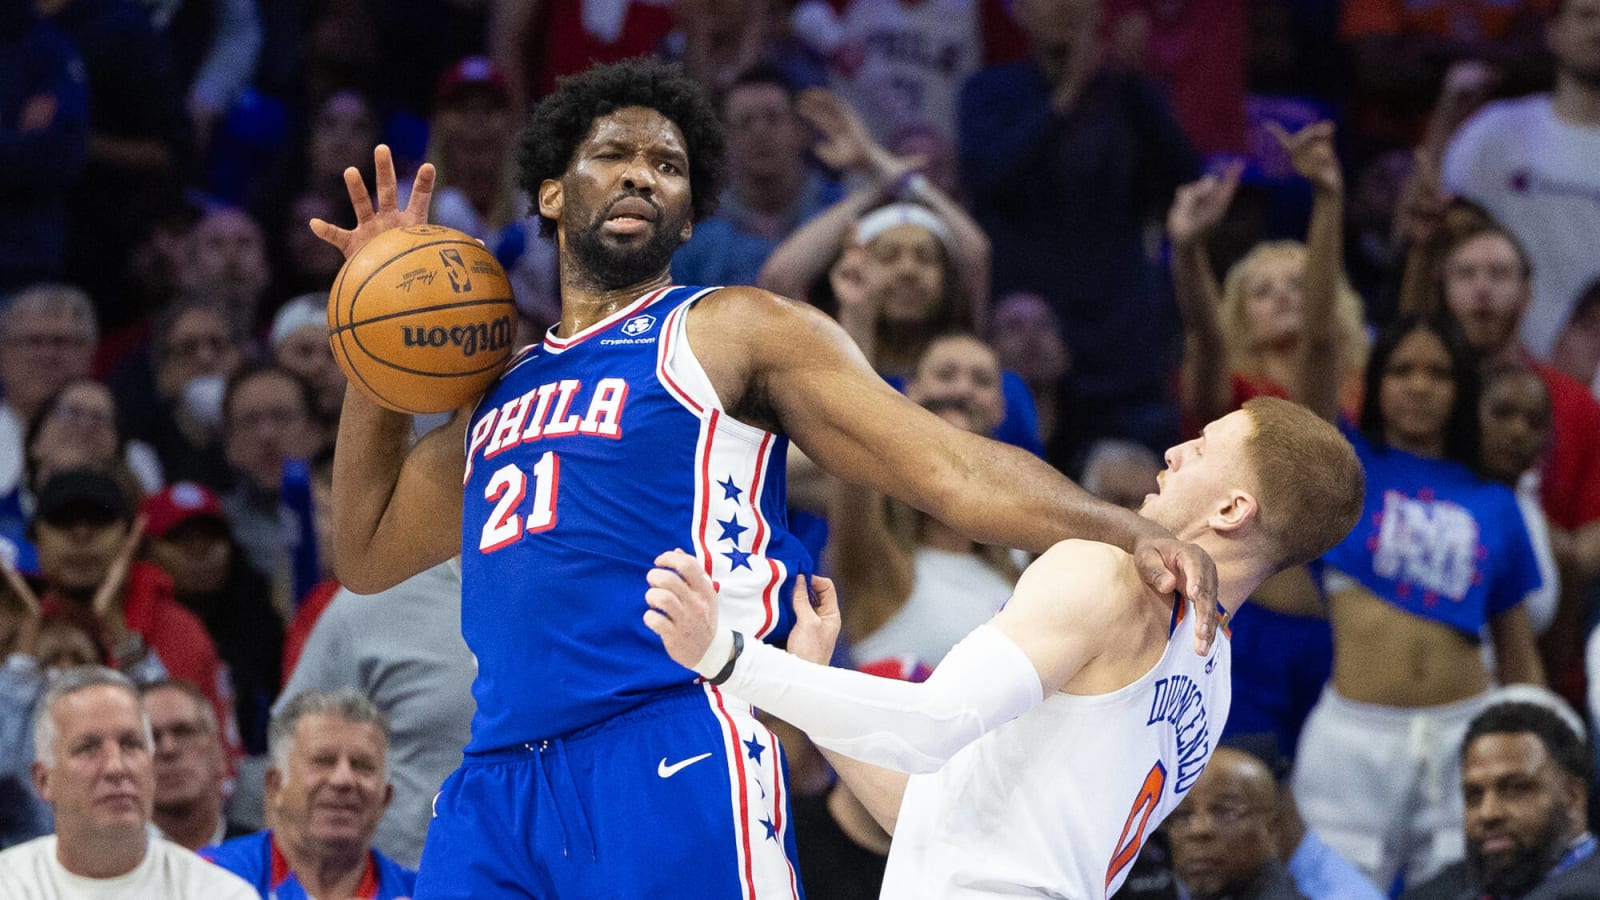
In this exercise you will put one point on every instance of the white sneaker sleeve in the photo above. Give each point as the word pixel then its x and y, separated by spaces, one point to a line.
pixel 984 682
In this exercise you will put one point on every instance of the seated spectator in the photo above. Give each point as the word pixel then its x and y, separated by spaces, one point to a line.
pixel 326 789
pixel 771 190
pixel 47 340
pixel 1223 840
pixel 87 538
pixel 1514 415
pixel 78 428
pixel 93 766
pixel 402 648
pixel 299 340
pixel 189 538
pixel 916 586
pixel 1319 872
pixel 268 418
pixel 227 264
pixel 1524 779
pixel 1026 335
pixel 191 766
pixel 171 396
pixel 472 143
pixel 1121 472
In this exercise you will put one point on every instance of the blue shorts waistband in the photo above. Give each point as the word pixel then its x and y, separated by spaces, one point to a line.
pixel 660 705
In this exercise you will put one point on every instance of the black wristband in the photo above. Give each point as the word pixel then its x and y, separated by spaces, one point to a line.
pixel 726 671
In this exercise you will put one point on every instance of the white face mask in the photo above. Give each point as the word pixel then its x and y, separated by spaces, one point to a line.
pixel 202 400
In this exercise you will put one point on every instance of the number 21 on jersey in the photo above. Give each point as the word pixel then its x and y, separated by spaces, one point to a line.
pixel 507 488
pixel 1132 838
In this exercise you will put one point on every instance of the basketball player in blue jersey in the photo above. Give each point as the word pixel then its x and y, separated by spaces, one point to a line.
pixel 651 416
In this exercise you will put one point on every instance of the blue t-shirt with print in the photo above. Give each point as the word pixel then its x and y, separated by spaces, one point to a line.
pixel 1436 541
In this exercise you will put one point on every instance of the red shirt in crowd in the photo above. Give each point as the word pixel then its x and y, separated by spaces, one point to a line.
pixel 1571 488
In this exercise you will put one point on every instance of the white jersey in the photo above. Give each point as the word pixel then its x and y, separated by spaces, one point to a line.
pixel 31 871
pixel 1058 802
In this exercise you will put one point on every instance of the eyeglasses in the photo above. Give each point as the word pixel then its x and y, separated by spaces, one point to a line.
pixel 191 346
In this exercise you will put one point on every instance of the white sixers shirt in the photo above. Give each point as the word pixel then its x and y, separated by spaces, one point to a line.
pixel 1058 802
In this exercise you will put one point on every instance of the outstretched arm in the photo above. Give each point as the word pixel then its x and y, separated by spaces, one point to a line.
pixel 1312 152
pixel 396 508
pixel 995 674
pixel 1196 210
pixel 823 394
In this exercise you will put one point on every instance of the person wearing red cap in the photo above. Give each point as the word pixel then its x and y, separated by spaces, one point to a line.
pixel 190 540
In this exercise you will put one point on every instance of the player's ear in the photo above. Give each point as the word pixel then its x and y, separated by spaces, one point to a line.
pixel 687 231
pixel 1237 509
pixel 551 200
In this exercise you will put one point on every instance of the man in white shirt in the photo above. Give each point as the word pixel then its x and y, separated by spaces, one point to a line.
pixel 1053 740
pixel 93 766
pixel 1531 163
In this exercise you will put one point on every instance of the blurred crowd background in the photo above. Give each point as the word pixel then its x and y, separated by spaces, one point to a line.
pixel 1085 227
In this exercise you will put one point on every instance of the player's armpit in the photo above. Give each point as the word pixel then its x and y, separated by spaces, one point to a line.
pixel 1068 608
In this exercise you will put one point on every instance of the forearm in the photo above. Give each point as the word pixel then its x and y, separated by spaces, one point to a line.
pixel 1001 495
pixel 228 66
pixel 807 253
pixel 1204 356
pixel 1516 659
pixel 879 790
pixel 983 682
pixel 382 535
pixel 1324 277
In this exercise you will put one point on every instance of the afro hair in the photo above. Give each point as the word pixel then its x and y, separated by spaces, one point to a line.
pixel 562 121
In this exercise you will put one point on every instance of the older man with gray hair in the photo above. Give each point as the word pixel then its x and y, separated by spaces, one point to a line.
pixel 326 789
pixel 92 764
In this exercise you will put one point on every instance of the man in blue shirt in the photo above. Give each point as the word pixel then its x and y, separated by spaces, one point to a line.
pixel 326 789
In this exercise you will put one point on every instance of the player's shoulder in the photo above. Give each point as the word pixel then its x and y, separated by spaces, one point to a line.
pixel 745 314
pixel 1075 553
pixel 1077 571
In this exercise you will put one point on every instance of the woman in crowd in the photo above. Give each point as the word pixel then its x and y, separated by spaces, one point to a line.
pixel 1439 556
pixel 77 428
pixel 1284 323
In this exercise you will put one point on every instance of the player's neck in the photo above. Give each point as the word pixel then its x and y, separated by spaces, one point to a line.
pixel 1576 101
pixel 1239 567
pixel 585 302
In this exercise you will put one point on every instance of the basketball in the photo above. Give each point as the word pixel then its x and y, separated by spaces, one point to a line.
pixel 421 319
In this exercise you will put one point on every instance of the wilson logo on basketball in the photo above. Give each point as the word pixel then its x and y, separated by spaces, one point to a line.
pixel 472 339
pixel 456 270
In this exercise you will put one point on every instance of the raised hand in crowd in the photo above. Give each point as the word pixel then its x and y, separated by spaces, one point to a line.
pixel 846 145
pixel 1198 207
pixel 19 613
pixel 1312 154
pixel 126 646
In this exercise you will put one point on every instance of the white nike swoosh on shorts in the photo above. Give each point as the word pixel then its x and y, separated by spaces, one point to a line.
pixel 666 771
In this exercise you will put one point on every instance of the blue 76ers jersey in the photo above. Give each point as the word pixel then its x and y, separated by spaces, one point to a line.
pixel 591 456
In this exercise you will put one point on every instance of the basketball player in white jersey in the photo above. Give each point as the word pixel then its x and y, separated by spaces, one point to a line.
pixel 1053 739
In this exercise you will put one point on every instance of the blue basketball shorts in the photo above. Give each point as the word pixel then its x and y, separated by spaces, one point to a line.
pixel 684 796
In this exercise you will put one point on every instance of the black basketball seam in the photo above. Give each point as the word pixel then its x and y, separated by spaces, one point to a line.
pixel 352 369
pixel 363 347
pixel 421 309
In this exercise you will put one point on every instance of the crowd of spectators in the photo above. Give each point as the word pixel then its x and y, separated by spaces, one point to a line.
pixel 1018 209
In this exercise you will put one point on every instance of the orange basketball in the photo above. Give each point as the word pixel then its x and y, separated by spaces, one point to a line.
pixel 421 319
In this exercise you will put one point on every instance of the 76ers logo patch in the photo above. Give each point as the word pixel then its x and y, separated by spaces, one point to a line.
pixel 638 325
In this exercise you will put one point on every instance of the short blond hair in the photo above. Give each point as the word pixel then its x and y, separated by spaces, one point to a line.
pixel 1309 482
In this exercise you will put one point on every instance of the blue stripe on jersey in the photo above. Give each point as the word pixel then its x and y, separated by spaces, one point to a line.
pixel 583 464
